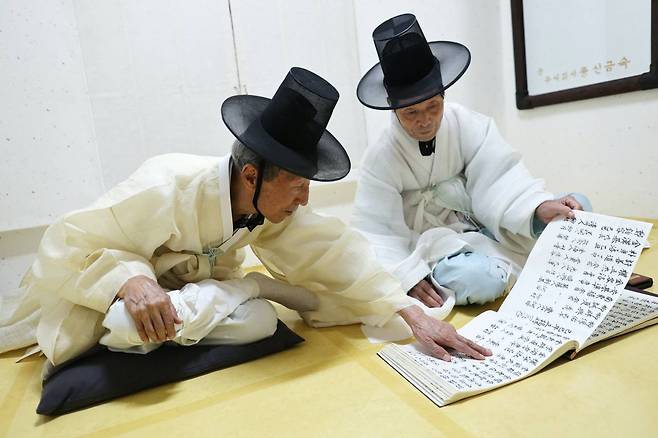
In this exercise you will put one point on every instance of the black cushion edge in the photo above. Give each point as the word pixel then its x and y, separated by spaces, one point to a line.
pixel 100 375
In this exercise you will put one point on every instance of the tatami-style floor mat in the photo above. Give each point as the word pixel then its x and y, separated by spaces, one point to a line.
pixel 335 385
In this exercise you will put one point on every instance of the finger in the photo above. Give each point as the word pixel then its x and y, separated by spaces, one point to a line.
pixel 148 327
pixel 158 324
pixel 177 318
pixel 419 293
pixel 572 203
pixel 562 211
pixel 482 350
pixel 428 299
pixel 141 331
pixel 137 314
pixel 427 287
pixel 463 347
pixel 434 298
pixel 168 316
pixel 439 352
pixel 432 292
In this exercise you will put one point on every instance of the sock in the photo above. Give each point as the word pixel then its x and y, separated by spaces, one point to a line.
pixel 293 297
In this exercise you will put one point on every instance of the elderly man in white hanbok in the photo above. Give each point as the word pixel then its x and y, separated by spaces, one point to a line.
pixel 447 204
pixel 158 257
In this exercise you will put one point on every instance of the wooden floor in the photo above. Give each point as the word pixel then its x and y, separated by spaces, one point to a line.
pixel 334 385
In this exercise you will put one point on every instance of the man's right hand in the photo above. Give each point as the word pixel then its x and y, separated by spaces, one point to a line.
pixel 424 292
pixel 151 309
pixel 435 336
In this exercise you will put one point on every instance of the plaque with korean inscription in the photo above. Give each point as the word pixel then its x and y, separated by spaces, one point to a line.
pixel 567 50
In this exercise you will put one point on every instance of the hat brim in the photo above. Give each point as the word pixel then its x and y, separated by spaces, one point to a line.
pixel 241 114
pixel 454 59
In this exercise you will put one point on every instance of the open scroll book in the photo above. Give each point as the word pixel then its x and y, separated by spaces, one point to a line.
pixel 569 295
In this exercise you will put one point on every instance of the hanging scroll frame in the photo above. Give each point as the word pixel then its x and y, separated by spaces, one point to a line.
pixel 524 100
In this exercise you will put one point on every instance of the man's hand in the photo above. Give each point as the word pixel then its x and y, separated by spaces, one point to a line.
pixel 563 207
pixel 425 292
pixel 434 335
pixel 151 309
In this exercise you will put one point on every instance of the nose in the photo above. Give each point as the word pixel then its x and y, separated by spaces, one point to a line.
pixel 425 120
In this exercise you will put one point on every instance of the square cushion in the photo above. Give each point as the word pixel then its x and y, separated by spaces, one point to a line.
pixel 100 375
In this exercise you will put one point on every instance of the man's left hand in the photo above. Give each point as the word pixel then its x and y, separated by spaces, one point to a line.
pixel 558 208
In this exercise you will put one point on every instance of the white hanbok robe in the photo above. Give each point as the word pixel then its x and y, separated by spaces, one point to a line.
pixel 417 209
pixel 171 221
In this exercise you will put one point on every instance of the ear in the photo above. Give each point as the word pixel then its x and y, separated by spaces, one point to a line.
pixel 249 176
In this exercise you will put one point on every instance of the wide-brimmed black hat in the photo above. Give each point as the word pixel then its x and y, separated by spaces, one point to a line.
pixel 289 130
pixel 410 70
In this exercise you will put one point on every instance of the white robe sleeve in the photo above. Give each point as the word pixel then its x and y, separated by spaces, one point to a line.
pixel 322 255
pixel 84 259
pixel 86 256
pixel 378 214
pixel 503 192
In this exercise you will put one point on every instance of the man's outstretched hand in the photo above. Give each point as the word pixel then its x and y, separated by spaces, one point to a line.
pixel 435 336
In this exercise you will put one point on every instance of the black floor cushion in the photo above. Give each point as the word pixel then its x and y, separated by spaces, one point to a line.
pixel 100 375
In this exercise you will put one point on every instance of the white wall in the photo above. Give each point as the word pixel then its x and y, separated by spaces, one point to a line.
pixel 88 90
pixel 49 161
pixel 157 72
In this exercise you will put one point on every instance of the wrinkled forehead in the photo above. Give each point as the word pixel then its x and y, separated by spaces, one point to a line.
pixel 424 104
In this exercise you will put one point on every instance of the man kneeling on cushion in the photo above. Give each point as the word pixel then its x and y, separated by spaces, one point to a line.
pixel 158 257
pixel 446 203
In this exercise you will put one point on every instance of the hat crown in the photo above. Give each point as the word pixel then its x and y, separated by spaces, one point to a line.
pixel 300 110
pixel 403 51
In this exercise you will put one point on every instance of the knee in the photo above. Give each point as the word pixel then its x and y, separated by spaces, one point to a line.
pixel 259 321
pixel 475 278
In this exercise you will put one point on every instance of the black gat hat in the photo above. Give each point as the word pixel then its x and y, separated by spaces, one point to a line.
pixel 289 130
pixel 410 70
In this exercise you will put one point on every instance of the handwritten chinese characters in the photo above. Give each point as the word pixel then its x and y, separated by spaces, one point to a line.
pixel 575 273
pixel 518 349
pixel 630 310
pixel 562 301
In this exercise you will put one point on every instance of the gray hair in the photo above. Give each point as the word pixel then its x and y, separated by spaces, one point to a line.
pixel 242 156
